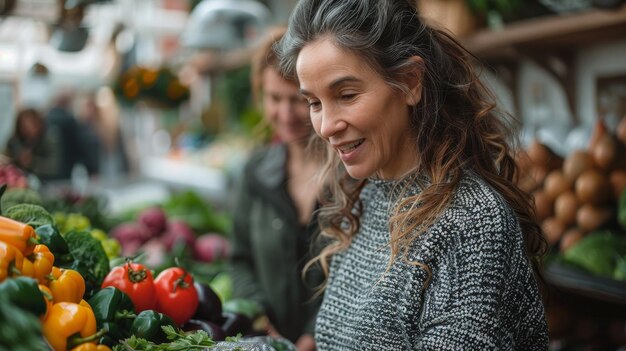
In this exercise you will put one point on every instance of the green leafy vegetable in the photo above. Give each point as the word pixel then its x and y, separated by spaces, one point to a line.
pixel 90 260
pixel 21 330
pixel 196 212
pixel 33 215
pixel 598 252
pixel 197 340
pixel 17 196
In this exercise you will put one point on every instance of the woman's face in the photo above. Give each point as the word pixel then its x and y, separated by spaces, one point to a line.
pixel 284 108
pixel 362 118
pixel 30 127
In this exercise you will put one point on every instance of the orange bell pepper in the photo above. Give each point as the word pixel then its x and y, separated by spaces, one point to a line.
pixel 90 346
pixel 18 234
pixel 66 285
pixel 28 268
pixel 48 298
pixel 43 260
pixel 11 261
pixel 69 325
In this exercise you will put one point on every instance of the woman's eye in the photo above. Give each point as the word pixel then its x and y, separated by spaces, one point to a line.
pixel 347 96
pixel 313 104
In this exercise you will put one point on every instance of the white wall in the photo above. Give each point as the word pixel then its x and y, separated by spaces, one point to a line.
pixel 597 61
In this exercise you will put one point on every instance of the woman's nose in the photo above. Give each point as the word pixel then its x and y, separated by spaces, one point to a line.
pixel 332 123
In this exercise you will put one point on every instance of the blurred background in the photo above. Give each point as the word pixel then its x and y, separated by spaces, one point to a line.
pixel 130 104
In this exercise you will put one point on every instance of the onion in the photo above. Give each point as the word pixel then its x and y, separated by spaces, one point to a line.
pixel 576 163
pixel 593 187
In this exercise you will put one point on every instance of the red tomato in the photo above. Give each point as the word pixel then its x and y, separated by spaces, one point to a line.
pixel 136 281
pixel 176 295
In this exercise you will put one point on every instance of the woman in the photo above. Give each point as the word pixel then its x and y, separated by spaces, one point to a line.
pixel 433 246
pixel 31 147
pixel 273 221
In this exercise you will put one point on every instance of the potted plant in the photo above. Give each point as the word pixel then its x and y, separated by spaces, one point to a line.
pixel 494 11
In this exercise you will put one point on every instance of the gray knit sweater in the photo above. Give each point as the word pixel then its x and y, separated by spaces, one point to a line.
pixel 482 296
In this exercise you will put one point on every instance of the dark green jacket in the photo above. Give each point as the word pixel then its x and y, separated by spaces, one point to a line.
pixel 270 247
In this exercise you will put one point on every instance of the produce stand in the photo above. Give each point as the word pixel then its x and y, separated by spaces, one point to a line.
pixel 585 310
pixel 575 281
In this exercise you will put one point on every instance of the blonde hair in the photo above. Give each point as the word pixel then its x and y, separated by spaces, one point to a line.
pixel 264 58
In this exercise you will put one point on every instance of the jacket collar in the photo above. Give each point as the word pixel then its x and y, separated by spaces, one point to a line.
pixel 270 171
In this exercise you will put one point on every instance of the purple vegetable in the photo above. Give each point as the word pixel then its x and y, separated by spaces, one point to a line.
pixel 235 323
pixel 209 304
pixel 131 235
pixel 211 247
pixel 154 218
pixel 214 331
pixel 177 230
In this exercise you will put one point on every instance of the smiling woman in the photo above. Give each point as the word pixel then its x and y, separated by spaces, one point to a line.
pixel 348 101
pixel 273 214
pixel 432 245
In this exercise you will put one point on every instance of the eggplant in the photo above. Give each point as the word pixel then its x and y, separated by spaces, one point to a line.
pixel 216 333
pixel 209 304
pixel 236 323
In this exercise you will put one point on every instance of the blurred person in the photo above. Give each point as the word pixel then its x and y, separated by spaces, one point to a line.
pixel 433 245
pixel 63 126
pixel 90 134
pixel 31 148
pixel 273 214
pixel 101 137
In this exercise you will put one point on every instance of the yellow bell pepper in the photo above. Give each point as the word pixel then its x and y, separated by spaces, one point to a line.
pixel 66 285
pixel 18 234
pixel 28 268
pixel 69 325
pixel 91 347
pixel 11 261
pixel 43 260
pixel 85 304
pixel 48 298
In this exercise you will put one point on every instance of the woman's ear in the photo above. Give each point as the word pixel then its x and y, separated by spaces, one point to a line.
pixel 413 80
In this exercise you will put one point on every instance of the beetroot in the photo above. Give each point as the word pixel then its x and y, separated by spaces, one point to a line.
pixel 211 247
pixel 178 230
pixel 154 249
pixel 131 235
pixel 154 218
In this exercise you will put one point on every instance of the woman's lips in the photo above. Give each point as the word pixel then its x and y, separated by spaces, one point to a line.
pixel 347 148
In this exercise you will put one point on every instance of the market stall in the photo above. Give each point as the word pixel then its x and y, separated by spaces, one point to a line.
pixel 132 253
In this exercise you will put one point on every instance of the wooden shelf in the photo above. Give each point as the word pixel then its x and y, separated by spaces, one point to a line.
pixel 550 33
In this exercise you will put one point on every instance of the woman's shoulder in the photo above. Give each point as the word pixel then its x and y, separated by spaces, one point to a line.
pixel 272 154
pixel 265 168
pixel 475 197
pixel 478 216
pixel 266 160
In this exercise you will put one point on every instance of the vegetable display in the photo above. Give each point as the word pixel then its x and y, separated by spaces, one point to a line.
pixel 149 325
pixel 19 235
pixel 176 295
pixel 89 259
pixel 114 311
pixel 67 285
pixel 24 293
pixel 21 330
pixel 137 282
pixel 11 261
pixel 57 288
pixel 69 325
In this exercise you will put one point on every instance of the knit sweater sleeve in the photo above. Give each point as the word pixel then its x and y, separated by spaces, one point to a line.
pixel 476 267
